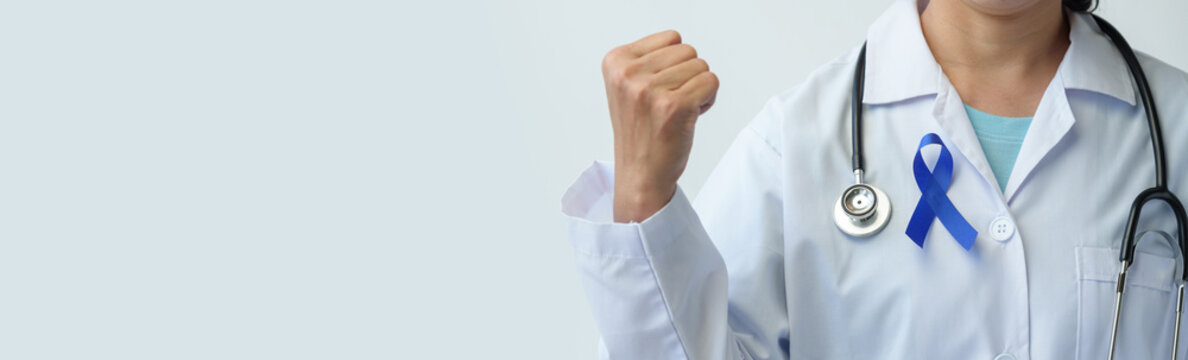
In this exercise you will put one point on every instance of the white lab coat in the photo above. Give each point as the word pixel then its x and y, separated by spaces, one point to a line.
pixel 760 271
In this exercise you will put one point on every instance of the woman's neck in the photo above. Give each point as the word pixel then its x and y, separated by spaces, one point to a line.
pixel 1000 63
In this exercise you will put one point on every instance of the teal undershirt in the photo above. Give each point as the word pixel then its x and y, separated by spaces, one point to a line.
pixel 1001 138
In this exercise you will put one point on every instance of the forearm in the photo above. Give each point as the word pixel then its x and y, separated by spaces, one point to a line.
pixel 658 288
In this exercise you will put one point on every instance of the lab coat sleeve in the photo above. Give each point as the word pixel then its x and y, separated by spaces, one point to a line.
pixel 661 289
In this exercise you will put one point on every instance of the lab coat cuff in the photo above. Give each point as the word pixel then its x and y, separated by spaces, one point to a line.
pixel 589 207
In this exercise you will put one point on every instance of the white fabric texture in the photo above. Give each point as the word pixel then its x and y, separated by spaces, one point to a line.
pixel 756 268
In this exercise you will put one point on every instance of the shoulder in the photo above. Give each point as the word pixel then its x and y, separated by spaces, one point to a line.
pixel 831 82
pixel 821 99
pixel 1168 83
pixel 1169 87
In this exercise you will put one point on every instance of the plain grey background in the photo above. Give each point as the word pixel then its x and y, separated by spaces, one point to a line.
pixel 347 179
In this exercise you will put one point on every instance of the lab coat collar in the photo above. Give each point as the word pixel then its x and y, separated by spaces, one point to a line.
pixel 900 65
pixel 1093 63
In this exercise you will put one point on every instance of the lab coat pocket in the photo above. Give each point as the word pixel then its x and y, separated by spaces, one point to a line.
pixel 1145 329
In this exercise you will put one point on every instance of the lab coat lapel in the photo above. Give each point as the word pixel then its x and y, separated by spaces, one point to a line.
pixel 1052 121
pixel 900 66
pixel 950 115
pixel 1092 64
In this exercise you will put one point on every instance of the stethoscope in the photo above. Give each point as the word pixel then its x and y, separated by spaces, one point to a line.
pixel 863 210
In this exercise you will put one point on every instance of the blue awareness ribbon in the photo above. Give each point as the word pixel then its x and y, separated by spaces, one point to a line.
pixel 934 203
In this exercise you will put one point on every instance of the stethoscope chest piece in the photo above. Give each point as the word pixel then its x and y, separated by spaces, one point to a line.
pixel 862 210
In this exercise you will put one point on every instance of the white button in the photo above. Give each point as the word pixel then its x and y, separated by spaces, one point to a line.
pixel 1004 357
pixel 1002 228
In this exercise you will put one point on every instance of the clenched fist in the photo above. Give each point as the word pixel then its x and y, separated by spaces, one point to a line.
pixel 656 88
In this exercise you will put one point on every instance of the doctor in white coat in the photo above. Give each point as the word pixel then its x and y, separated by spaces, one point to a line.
pixel 757 268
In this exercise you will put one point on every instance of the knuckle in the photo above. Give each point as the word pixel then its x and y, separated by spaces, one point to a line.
pixel 637 91
pixel 612 58
pixel 669 106
pixel 608 63
pixel 653 83
pixel 665 105
pixel 619 51
pixel 620 74
pixel 630 68
pixel 701 64
pixel 689 50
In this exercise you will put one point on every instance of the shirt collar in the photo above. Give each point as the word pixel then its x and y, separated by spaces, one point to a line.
pixel 900 66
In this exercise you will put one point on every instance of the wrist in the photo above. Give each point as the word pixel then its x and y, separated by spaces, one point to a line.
pixel 636 202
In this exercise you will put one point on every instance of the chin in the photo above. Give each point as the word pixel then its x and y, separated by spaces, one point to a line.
pixel 1005 7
